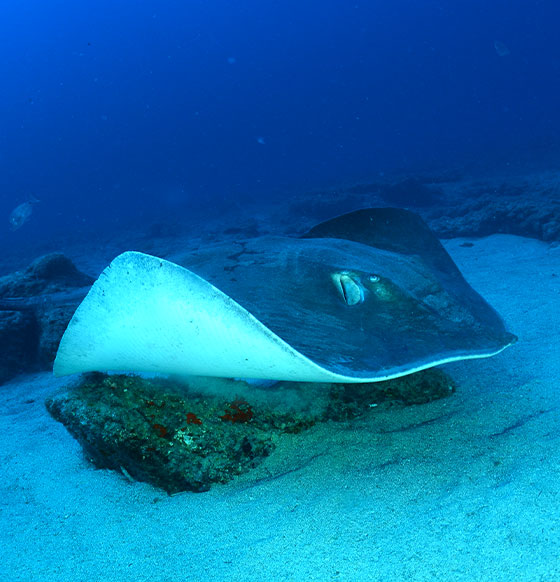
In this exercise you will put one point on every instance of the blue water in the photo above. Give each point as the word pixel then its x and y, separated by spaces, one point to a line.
pixel 116 110
pixel 124 117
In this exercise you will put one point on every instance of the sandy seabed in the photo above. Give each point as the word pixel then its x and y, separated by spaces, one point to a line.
pixel 465 488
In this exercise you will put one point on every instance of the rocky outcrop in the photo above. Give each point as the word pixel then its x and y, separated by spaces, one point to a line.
pixel 35 307
pixel 534 218
pixel 19 338
pixel 452 206
pixel 525 206
pixel 181 437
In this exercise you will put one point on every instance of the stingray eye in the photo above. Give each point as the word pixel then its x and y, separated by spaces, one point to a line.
pixel 380 288
pixel 349 287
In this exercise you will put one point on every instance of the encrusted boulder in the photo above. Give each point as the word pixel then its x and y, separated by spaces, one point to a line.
pixel 185 437
pixel 156 431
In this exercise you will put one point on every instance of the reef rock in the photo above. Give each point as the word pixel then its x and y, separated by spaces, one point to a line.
pixel 181 438
pixel 35 307
pixel 532 218
pixel 19 338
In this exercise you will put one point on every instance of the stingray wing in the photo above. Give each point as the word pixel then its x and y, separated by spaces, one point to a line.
pixel 146 314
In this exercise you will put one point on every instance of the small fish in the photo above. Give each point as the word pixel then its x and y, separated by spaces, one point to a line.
pixel 22 213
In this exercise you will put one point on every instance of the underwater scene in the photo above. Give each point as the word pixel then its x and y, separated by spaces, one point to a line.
pixel 280 291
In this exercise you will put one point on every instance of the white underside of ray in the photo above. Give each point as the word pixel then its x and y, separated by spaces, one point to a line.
pixel 146 314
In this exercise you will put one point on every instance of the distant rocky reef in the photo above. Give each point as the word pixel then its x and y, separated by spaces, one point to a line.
pixel 453 205
pixel 530 217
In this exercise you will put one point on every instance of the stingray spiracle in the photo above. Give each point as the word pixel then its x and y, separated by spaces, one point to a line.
pixel 349 287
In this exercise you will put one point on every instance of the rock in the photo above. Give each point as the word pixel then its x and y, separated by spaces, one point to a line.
pixel 48 274
pixel 52 324
pixel 19 338
pixel 538 219
pixel 180 439
pixel 59 268
pixel 35 307
pixel 351 400
pixel 451 204
pixel 152 432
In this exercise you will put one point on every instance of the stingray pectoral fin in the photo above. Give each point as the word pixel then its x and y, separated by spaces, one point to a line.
pixel 145 314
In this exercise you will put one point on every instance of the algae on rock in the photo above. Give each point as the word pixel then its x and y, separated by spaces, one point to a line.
pixel 176 437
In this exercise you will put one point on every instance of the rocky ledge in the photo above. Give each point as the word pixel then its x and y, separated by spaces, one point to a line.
pixel 36 305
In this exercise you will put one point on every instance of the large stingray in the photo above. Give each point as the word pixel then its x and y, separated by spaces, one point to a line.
pixel 364 297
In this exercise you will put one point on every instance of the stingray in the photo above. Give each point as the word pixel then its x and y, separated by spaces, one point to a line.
pixel 364 297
